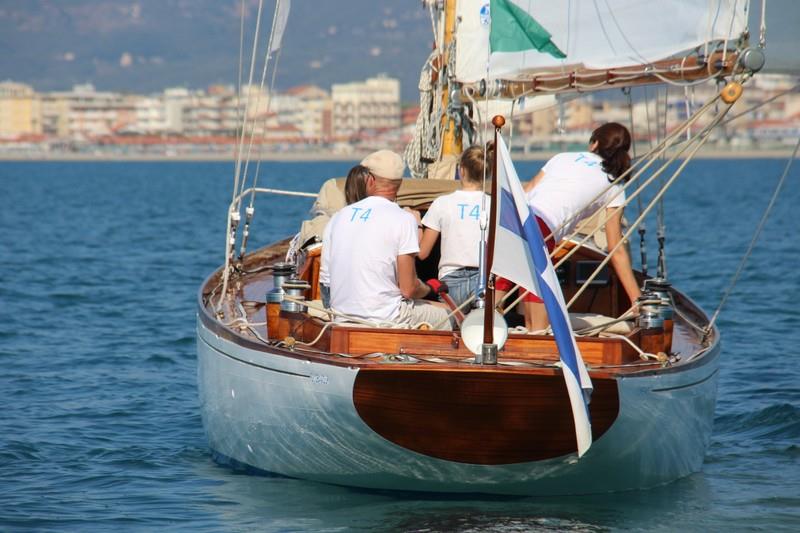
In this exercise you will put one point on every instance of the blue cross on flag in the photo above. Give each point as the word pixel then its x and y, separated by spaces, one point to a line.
pixel 521 256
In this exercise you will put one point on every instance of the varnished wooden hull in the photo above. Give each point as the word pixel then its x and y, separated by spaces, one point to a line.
pixel 448 429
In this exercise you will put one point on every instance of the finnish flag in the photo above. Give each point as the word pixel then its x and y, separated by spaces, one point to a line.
pixel 521 256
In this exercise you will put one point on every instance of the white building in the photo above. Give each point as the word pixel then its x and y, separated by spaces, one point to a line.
pixel 373 104
pixel 307 108
pixel 85 114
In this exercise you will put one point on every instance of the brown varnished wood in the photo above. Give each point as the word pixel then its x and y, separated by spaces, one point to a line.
pixel 361 341
pixel 684 69
pixel 310 272
pixel 478 417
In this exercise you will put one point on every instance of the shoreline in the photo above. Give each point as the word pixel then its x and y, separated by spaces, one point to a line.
pixel 290 157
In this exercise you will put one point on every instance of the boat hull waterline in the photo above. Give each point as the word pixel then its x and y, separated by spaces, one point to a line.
pixel 297 417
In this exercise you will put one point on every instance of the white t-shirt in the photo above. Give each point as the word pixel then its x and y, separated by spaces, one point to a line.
pixel 456 216
pixel 572 180
pixel 360 246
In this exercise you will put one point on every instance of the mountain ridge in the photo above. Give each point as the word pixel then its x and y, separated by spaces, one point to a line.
pixel 145 46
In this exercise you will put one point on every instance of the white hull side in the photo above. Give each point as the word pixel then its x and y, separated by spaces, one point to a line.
pixel 297 418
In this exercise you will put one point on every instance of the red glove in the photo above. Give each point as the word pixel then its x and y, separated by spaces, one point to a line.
pixel 437 287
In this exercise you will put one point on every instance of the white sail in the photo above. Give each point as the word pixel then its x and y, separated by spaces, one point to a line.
pixel 593 34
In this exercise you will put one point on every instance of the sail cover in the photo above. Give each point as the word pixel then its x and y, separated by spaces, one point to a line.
pixel 513 39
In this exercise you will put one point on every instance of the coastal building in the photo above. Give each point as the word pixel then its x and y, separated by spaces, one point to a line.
pixel 175 99
pixel 20 110
pixel 86 114
pixel 214 114
pixel 150 116
pixel 307 108
pixel 373 105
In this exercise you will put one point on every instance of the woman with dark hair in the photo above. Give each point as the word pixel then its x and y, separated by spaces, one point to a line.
pixel 569 188
pixel 455 217
pixel 355 186
pixel 355 190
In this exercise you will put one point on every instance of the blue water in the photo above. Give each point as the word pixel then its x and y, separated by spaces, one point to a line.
pixel 99 421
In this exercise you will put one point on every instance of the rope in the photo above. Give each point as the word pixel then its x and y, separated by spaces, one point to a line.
pixel 427 140
pixel 642 354
pixel 622 318
pixel 757 233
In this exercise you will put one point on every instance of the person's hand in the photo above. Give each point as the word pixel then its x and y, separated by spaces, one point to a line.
pixel 437 286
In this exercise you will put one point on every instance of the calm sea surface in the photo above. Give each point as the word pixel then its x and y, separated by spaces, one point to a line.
pixel 99 422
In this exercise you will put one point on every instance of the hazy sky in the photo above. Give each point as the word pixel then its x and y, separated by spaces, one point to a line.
pixel 147 45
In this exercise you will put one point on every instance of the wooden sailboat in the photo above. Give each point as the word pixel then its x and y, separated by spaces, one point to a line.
pixel 285 390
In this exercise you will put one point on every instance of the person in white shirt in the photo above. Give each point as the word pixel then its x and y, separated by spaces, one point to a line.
pixel 455 217
pixel 368 252
pixel 566 191
pixel 355 189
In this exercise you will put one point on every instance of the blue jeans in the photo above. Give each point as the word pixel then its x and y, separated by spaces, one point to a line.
pixel 461 284
pixel 325 294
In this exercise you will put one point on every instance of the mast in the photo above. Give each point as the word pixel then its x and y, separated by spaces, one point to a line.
pixel 489 348
pixel 452 139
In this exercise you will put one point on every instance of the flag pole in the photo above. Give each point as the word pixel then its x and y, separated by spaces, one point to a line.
pixel 489 348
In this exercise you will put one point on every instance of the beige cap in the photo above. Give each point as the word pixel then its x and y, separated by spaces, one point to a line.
pixel 385 164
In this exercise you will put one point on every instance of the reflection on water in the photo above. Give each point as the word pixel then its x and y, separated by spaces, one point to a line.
pixel 279 503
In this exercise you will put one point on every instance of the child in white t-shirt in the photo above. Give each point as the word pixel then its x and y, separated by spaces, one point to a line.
pixel 456 218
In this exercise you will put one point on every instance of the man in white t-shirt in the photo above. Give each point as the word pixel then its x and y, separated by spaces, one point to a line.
pixel 368 253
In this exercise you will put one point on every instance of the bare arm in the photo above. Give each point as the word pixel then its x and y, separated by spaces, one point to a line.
pixel 620 260
pixel 427 241
pixel 534 182
pixel 410 286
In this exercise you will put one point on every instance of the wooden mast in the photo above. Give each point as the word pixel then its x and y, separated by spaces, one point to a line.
pixel 451 139
pixel 488 311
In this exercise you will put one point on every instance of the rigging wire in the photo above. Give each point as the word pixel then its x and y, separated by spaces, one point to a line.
pixel 241 62
pixel 250 211
pixel 661 228
pixel 233 210
pixel 643 226
pixel 240 144
pixel 702 140
pixel 756 234
pixel 652 156
pixel 264 71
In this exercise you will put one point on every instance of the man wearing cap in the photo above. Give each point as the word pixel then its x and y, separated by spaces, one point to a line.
pixel 368 252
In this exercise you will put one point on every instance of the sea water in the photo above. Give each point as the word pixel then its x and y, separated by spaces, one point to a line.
pixel 100 429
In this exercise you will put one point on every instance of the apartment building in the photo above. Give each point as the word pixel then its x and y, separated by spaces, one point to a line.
pixel 215 114
pixel 20 110
pixel 373 104
pixel 86 114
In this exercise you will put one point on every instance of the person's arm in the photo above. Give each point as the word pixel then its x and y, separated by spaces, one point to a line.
pixel 534 182
pixel 620 260
pixel 427 241
pixel 410 286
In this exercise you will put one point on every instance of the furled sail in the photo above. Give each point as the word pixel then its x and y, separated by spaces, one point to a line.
pixel 515 39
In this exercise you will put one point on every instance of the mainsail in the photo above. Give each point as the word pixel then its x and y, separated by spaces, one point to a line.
pixel 597 34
